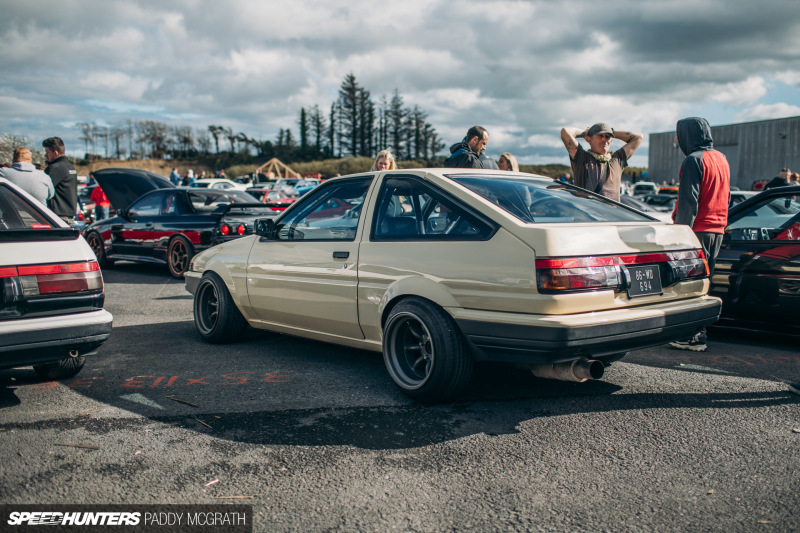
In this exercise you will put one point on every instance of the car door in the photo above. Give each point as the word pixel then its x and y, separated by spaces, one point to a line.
pixel 137 235
pixel 306 276
pixel 756 273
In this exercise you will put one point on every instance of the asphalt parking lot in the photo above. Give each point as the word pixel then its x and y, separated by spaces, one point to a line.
pixel 316 437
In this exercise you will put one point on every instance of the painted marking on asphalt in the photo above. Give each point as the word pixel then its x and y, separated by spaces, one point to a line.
pixel 142 399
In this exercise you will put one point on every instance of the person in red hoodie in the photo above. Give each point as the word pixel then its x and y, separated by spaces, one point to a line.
pixel 703 198
pixel 102 206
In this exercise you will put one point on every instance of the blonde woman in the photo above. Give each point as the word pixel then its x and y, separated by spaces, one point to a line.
pixel 384 161
pixel 508 162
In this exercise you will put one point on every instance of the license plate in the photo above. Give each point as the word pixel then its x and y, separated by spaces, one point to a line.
pixel 645 280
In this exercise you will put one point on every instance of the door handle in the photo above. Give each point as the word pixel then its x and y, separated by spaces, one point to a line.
pixel 341 255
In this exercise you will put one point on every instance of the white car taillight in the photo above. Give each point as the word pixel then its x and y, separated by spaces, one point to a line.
pixel 36 280
pixel 573 274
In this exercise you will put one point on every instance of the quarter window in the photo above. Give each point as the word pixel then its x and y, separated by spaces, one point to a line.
pixel 410 209
pixel 147 207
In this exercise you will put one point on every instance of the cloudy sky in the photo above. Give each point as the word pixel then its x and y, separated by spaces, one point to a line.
pixel 522 69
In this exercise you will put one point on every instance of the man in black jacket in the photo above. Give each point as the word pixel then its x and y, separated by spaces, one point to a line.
pixel 64 178
pixel 470 153
pixel 782 180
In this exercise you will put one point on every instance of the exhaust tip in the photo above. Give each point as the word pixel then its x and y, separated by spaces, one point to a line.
pixel 596 369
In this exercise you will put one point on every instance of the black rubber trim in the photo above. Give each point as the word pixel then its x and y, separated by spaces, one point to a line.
pixel 511 343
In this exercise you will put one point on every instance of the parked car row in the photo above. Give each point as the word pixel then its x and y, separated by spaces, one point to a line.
pixel 437 269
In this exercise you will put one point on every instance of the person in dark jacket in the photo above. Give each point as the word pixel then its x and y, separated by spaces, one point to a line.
pixel 781 180
pixel 471 152
pixel 703 196
pixel 64 177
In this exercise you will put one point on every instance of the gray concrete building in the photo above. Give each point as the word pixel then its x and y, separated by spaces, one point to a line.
pixel 755 151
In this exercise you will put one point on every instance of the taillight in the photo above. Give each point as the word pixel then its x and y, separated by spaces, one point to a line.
pixel 689 264
pixel 227 229
pixel 37 280
pixel 573 274
pixel 577 279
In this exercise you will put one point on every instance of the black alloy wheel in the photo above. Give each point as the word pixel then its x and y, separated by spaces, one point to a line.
pixel 98 247
pixel 179 253
pixel 424 352
pixel 216 317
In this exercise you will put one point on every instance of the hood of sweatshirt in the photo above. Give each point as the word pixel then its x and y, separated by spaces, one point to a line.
pixel 694 134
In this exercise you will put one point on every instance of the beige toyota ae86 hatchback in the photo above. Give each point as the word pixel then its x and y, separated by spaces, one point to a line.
pixel 440 268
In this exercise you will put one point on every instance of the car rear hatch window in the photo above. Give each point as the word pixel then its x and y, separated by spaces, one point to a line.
pixel 17 213
pixel 538 201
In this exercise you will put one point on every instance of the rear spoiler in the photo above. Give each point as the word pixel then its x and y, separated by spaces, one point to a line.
pixel 35 235
pixel 223 209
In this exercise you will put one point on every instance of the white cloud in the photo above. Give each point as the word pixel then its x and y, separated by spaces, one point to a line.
pixel 767 111
pixel 552 141
pixel 745 92
pixel 120 84
pixel 523 69
pixel 789 77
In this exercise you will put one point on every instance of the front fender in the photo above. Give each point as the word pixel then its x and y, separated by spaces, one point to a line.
pixel 229 262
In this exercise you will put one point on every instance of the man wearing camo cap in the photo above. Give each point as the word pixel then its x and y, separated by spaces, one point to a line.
pixel 599 170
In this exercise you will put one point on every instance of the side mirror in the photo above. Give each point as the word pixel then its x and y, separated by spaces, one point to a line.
pixel 265 227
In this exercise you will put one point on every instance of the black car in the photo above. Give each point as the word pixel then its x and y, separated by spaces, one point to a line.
pixel 758 268
pixel 159 223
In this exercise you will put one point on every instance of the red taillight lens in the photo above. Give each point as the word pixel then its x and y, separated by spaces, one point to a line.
pixel 689 264
pixel 80 216
pixel 225 229
pixel 35 280
pixel 240 229
pixel 571 274
pixel 578 279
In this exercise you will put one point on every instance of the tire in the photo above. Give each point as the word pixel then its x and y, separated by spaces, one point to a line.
pixel 424 352
pixel 179 253
pixel 66 368
pixel 216 317
pixel 98 247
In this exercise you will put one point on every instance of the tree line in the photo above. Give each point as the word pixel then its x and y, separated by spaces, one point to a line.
pixel 354 126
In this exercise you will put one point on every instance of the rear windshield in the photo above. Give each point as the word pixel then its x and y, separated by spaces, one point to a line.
pixel 202 199
pixel 539 201
pixel 17 213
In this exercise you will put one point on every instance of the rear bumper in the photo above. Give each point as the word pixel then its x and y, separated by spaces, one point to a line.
pixel 546 339
pixel 47 339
